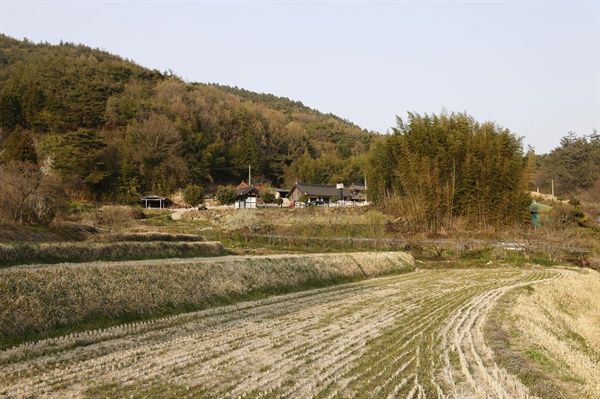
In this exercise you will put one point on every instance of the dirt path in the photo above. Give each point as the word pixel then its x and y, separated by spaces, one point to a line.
pixel 176 215
pixel 412 336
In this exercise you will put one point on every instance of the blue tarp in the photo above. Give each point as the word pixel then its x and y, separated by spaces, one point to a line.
pixel 539 213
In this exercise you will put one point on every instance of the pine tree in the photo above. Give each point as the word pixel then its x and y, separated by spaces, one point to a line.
pixel 19 146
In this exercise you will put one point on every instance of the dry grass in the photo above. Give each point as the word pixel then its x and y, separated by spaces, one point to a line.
pixel 12 254
pixel 558 324
pixel 37 299
pixel 146 237
pixel 22 233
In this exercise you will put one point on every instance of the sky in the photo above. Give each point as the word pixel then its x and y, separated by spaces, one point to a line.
pixel 533 67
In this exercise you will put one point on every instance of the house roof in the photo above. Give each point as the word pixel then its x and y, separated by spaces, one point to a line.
pixel 321 190
pixel 247 190
pixel 357 187
pixel 243 185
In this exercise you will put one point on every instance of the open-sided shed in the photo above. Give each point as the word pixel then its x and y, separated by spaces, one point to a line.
pixel 155 201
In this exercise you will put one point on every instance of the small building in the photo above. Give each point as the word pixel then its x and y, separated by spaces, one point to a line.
pixel 155 201
pixel 314 192
pixel 358 192
pixel 247 197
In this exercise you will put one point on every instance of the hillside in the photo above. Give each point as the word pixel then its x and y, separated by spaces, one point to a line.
pixel 112 130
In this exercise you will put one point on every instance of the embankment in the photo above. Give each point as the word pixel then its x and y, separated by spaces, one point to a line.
pixel 16 254
pixel 40 299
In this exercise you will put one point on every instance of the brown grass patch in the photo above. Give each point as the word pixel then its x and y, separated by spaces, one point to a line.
pixel 146 237
pixel 549 336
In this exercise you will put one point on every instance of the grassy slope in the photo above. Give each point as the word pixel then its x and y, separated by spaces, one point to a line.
pixel 113 251
pixel 548 335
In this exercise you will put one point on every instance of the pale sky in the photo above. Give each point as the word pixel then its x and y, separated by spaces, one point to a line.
pixel 530 66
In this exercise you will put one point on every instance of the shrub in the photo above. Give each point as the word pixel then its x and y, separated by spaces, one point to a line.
pixel 193 195
pixel 267 196
pixel 226 195
pixel 27 195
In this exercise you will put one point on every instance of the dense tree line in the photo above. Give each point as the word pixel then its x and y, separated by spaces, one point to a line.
pixel 573 167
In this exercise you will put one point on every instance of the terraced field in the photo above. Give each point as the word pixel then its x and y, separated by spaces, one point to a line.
pixel 415 335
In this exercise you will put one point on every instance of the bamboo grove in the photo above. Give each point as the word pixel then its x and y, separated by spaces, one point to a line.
pixel 435 170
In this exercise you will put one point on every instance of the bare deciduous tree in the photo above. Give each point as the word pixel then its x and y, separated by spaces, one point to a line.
pixel 155 139
pixel 26 194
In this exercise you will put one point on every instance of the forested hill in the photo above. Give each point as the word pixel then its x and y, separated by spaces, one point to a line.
pixel 282 104
pixel 113 130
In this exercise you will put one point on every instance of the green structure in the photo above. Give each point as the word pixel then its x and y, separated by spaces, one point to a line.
pixel 539 214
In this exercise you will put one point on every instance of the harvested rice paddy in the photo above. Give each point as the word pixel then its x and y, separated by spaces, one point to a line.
pixel 415 335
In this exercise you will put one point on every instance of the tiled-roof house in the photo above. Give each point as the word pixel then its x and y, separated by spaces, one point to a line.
pixel 324 192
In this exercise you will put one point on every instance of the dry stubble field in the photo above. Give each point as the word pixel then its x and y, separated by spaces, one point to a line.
pixel 414 335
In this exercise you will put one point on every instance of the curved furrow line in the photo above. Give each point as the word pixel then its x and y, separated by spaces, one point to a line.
pixel 418 325
pixel 431 377
pixel 342 351
pixel 500 383
pixel 482 382
pixel 413 325
pixel 341 357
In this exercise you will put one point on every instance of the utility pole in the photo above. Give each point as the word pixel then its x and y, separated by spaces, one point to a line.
pixel 552 189
pixel 249 175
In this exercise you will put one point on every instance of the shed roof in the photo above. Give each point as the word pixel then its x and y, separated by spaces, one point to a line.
pixel 539 208
pixel 153 197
